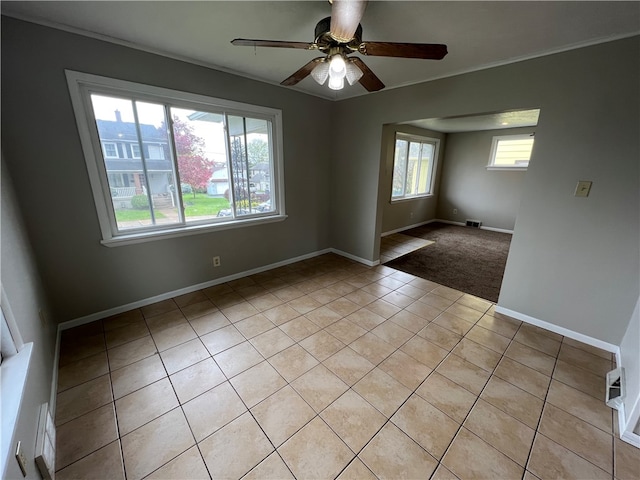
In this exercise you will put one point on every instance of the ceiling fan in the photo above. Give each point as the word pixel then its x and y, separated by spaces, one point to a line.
pixel 337 37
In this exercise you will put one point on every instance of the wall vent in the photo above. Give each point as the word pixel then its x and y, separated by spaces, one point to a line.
pixel 615 387
pixel 473 223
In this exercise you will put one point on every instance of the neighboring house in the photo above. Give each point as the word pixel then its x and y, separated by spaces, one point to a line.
pixel 259 180
pixel 259 175
pixel 123 159
pixel 219 182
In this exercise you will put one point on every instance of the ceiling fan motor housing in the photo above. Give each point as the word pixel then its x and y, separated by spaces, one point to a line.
pixel 325 41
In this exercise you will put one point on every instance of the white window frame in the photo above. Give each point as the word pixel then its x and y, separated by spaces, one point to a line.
pixel 81 85
pixel 494 150
pixel 104 149
pixel 151 146
pixel 133 153
pixel 13 378
pixel 432 178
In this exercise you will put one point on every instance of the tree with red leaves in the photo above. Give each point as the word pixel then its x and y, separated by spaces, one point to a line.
pixel 194 168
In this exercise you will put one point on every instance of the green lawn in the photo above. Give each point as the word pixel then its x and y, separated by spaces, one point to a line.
pixel 201 205
pixel 126 215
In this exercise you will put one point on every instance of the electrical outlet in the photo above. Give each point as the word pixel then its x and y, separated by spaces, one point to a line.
pixel 22 460
pixel 216 261
pixel 455 211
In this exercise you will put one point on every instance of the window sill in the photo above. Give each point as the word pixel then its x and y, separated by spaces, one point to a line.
pixel 14 379
pixel 407 199
pixel 508 169
pixel 141 237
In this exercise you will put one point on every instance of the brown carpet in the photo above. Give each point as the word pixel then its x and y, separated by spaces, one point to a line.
pixel 467 259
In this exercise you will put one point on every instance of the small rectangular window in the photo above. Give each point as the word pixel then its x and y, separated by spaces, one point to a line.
pixel 156 152
pixel 195 162
pixel 135 150
pixel 110 150
pixel 511 152
pixel 414 164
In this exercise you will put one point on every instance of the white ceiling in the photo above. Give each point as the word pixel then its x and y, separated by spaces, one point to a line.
pixel 479 34
pixel 474 123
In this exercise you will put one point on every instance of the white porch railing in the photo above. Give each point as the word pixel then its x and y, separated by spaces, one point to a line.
pixel 123 191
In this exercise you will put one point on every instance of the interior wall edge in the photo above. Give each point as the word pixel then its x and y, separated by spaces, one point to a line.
pixel 581 337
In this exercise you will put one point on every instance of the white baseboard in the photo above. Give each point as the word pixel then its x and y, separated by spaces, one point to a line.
pixel 407 227
pixel 632 438
pixel 165 296
pixel 449 222
pixel 364 261
pixel 626 424
pixel 626 430
pixel 594 342
pixel 482 227
pixel 629 423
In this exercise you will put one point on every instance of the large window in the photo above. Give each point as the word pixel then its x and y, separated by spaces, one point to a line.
pixel 197 163
pixel 414 163
pixel 511 152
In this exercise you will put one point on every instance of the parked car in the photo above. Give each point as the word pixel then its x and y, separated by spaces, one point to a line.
pixel 264 206
pixel 227 212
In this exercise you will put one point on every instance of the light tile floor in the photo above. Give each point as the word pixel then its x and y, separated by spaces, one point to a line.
pixel 326 368
pixel 398 244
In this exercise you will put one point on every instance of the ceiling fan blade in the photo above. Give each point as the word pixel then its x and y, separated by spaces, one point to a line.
pixel 430 51
pixel 302 73
pixel 345 18
pixel 368 79
pixel 243 42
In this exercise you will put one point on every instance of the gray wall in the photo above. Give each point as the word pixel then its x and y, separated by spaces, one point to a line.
pixel 407 212
pixel 26 295
pixel 492 196
pixel 42 149
pixel 573 262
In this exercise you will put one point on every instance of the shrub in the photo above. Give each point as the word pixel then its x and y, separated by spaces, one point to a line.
pixel 140 202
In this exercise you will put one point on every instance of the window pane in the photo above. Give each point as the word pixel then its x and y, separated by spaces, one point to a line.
pixel 250 147
pixel 110 150
pixel 399 168
pixel 202 164
pixel 239 168
pixel 160 174
pixel 426 162
pixel 259 158
pixel 513 153
pixel 138 190
pixel 135 150
pixel 413 166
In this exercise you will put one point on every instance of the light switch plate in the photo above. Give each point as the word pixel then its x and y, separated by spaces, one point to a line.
pixel 582 189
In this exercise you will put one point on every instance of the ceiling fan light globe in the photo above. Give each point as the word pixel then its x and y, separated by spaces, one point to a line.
pixel 336 83
pixel 353 73
pixel 321 72
pixel 337 66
